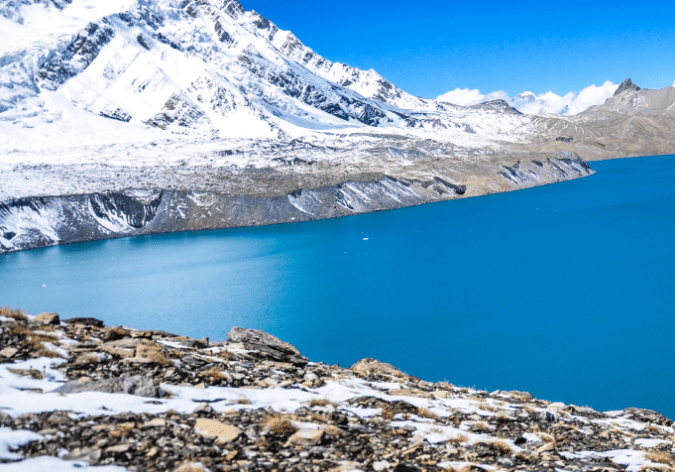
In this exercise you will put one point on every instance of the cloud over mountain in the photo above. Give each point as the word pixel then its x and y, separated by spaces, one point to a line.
pixel 527 102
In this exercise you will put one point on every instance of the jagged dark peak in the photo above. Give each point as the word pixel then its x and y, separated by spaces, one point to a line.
pixel 497 105
pixel 232 8
pixel 627 85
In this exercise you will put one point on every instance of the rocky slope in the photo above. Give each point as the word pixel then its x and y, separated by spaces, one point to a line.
pixel 104 105
pixel 228 201
pixel 77 393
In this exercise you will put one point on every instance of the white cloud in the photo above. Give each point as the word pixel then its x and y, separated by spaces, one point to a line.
pixel 673 83
pixel 592 95
pixel 569 104
pixel 462 97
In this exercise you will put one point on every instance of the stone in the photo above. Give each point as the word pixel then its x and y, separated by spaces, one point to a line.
pixel 546 416
pixel 92 456
pixel 86 321
pixel 306 437
pixel 224 432
pixel 196 343
pixel 135 385
pixel 191 467
pixel 119 448
pixel 268 345
pixel 381 465
pixel 371 366
pixel 203 408
pixel 124 343
pixel 155 423
pixel 48 318
pixel 138 360
pixel 117 351
pixel 8 352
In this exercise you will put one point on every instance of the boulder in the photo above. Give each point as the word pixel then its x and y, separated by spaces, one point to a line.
pixel 306 437
pixel 48 318
pixel 269 346
pixel 90 455
pixel 648 416
pixel 86 321
pixel 135 385
pixel 224 432
pixel 371 366
pixel 8 352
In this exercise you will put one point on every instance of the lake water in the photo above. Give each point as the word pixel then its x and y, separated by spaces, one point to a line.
pixel 566 291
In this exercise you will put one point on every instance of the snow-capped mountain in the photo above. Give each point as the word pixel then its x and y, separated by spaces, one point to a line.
pixel 132 117
pixel 130 72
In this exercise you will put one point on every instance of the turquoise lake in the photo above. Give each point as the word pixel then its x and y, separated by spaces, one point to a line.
pixel 566 291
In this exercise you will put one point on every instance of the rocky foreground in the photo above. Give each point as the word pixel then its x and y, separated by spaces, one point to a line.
pixel 77 395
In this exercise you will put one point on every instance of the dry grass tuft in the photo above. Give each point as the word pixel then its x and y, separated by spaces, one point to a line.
pixel 502 447
pixel 458 439
pixel 13 313
pixel 151 350
pixel 321 402
pixel 122 430
pixel 522 456
pixel 485 407
pixel 466 468
pixel 214 373
pixel 547 438
pixel 480 426
pixel 388 413
pixel 424 413
pixel 661 457
pixel 44 352
pixel 35 341
pixel 332 430
pixel 243 401
pixel 87 358
pixel 35 374
pixel 278 424
pixel 225 355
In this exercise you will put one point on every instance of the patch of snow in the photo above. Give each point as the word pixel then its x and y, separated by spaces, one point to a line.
pixel 632 460
pixel 649 443
pixel 12 439
pixel 54 464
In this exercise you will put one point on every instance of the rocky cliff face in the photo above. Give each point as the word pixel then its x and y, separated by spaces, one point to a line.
pixel 45 221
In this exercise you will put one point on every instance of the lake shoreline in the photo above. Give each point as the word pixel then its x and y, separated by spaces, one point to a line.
pixel 35 222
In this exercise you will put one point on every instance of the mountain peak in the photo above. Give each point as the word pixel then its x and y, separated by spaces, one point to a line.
pixel 627 85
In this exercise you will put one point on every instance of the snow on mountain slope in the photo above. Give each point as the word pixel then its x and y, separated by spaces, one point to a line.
pixel 126 80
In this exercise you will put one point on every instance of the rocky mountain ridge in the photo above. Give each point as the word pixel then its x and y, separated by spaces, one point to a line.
pixel 78 394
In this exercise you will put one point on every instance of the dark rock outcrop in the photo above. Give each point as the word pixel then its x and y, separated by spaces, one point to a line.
pixel 267 345
pixel 626 85
pixel 85 321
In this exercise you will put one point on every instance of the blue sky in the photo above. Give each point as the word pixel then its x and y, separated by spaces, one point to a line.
pixel 430 47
